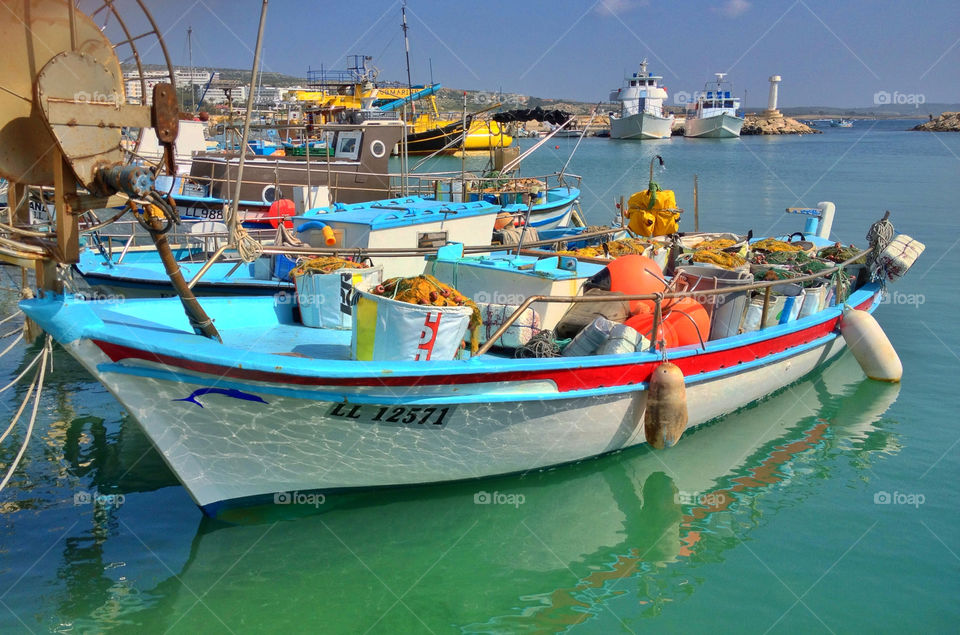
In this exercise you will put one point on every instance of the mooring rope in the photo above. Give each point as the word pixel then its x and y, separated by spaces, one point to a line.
pixel 38 384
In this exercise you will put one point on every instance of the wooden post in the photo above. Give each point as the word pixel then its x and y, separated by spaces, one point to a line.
pixel 696 205
pixel 766 307
pixel 68 230
pixel 46 273
pixel 19 206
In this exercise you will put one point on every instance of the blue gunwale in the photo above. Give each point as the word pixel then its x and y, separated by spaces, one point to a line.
pixel 158 326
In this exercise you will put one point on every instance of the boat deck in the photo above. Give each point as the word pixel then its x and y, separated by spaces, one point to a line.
pixel 294 340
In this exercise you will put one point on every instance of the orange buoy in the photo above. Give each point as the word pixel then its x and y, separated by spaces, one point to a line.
pixel 280 208
pixel 685 318
pixel 642 323
pixel 631 275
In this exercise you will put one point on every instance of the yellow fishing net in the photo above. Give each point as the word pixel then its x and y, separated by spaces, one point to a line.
pixel 324 264
pixel 615 248
pixel 719 258
pixel 428 291
pixel 716 244
pixel 772 244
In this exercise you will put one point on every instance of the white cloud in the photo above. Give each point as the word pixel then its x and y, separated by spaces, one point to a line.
pixel 733 8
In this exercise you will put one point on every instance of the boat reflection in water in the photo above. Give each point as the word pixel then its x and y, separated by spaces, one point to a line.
pixel 541 552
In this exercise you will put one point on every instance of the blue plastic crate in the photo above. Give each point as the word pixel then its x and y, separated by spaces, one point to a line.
pixel 282 266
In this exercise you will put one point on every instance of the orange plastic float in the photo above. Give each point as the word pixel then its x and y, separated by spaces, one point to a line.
pixel 631 275
pixel 279 208
pixel 677 329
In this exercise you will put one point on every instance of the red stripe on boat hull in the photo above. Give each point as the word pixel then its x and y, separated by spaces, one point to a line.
pixel 566 379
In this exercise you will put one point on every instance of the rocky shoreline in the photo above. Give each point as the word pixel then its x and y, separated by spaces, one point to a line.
pixel 763 124
pixel 946 122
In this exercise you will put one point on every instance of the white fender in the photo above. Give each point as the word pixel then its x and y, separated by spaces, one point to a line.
pixel 870 346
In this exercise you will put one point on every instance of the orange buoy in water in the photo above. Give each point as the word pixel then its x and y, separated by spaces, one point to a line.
pixel 665 417
pixel 686 317
pixel 280 208
pixel 631 275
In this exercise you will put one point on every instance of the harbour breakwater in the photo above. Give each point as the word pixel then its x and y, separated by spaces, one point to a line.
pixel 946 122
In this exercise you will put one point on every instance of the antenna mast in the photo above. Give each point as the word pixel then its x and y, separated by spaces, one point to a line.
pixel 406 44
pixel 193 105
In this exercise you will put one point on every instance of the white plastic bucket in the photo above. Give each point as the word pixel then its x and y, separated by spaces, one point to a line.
pixel 814 300
pixel 784 307
pixel 726 310
pixel 326 299
pixel 388 330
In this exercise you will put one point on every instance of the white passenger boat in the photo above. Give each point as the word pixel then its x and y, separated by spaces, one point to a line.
pixel 713 112
pixel 641 108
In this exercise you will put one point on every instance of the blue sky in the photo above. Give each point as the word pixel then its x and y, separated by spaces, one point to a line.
pixel 829 52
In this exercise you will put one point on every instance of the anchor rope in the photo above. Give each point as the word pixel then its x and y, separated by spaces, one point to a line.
pixel 38 384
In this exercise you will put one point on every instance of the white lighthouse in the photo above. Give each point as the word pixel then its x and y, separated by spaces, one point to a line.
pixel 771 110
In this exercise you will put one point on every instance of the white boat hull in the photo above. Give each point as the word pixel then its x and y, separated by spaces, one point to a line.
pixel 721 126
pixel 282 438
pixel 641 126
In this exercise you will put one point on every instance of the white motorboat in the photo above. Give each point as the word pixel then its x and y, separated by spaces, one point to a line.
pixel 641 113
pixel 713 112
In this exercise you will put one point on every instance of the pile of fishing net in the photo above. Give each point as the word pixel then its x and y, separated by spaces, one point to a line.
pixel 773 273
pixel 428 291
pixel 838 253
pixel 555 117
pixel 772 244
pixel 324 264
pixel 723 259
pixel 611 249
pixel 522 185
pixel 716 244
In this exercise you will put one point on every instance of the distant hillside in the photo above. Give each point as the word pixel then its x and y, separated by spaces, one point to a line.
pixel 451 100
pixel 886 111
pixel 232 74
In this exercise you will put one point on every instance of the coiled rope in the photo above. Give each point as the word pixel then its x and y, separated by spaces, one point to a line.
pixel 878 236
pixel 543 344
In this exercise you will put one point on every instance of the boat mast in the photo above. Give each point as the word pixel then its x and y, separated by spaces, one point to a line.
pixel 406 44
pixel 193 105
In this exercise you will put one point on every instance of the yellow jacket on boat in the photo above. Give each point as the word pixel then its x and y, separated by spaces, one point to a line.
pixel 657 219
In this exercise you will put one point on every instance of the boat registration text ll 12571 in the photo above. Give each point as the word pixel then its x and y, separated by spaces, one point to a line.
pixel 422 416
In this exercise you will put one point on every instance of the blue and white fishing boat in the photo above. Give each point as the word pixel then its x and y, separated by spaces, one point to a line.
pixel 278 407
pixel 713 112
pixel 390 225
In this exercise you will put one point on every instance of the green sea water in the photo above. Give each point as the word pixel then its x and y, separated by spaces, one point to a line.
pixel 831 506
